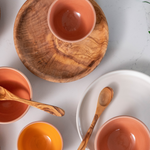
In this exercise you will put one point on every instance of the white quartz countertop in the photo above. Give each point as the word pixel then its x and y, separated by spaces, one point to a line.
pixel 128 49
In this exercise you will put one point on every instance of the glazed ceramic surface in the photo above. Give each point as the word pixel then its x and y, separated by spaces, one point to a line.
pixel 40 136
pixel 122 133
pixel 14 81
pixel 131 97
pixel 68 20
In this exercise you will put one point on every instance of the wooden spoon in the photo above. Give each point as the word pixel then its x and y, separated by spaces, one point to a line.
pixel 104 99
pixel 7 95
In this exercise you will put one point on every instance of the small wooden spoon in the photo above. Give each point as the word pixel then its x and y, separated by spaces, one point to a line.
pixel 7 95
pixel 104 99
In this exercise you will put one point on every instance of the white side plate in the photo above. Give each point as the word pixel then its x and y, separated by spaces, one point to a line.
pixel 131 97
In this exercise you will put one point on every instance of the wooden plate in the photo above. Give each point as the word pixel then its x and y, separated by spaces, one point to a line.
pixel 49 58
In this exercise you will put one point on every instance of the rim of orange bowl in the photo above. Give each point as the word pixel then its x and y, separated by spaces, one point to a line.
pixel 43 122
pixel 117 117
pixel 31 94
pixel 71 41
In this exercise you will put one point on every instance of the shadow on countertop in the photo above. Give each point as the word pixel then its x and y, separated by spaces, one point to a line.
pixel 8 14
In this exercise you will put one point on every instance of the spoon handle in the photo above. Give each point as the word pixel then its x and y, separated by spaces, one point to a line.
pixel 54 110
pixel 88 134
pixel 6 95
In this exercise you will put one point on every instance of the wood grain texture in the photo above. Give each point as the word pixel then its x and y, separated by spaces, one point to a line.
pixel 88 134
pixel 104 99
pixel 54 110
pixel 49 58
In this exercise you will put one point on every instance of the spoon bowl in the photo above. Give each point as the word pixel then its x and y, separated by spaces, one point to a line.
pixel 105 96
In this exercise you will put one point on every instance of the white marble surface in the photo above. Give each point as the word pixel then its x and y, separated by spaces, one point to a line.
pixel 128 48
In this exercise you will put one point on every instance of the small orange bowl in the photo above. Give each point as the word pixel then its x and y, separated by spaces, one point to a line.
pixel 71 20
pixel 123 133
pixel 40 136
pixel 16 82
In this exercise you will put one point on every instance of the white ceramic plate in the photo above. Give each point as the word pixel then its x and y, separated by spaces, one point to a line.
pixel 131 97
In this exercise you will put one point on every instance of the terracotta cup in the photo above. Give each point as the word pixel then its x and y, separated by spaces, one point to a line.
pixel 40 136
pixel 123 133
pixel 71 20
pixel 14 81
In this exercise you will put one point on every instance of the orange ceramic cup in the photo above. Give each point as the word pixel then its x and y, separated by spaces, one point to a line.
pixel 123 133
pixel 14 81
pixel 40 136
pixel 71 20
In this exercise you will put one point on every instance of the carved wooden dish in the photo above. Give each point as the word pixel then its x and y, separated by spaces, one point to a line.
pixel 49 58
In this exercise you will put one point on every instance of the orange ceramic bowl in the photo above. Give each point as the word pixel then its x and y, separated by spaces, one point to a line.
pixel 14 81
pixel 40 136
pixel 71 20
pixel 123 133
